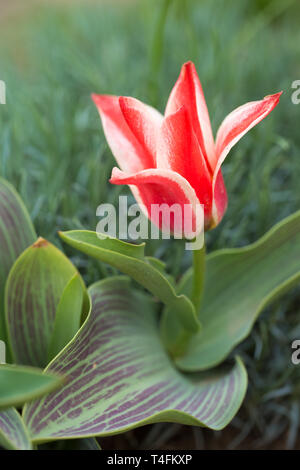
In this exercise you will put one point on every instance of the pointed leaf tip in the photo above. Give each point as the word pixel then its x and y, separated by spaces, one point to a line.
pixel 33 291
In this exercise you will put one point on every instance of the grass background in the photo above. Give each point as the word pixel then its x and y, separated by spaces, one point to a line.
pixel 53 150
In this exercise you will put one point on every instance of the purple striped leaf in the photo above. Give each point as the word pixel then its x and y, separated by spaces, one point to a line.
pixel 13 434
pixel 16 234
pixel 120 377
pixel 33 291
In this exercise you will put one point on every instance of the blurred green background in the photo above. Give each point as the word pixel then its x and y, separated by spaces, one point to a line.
pixel 52 148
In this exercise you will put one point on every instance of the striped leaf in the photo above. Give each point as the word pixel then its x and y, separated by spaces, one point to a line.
pixel 239 284
pixel 16 234
pixel 120 376
pixel 20 384
pixel 13 434
pixel 33 291
pixel 130 259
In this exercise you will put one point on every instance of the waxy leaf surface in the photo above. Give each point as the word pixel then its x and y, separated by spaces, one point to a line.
pixel 33 291
pixel 120 377
pixel 130 259
pixel 68 316
pixel 13 434
pixel 20 384
pixel 239 284
pixel 16 234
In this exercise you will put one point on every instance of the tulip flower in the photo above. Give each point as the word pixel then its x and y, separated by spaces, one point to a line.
pixel 174 159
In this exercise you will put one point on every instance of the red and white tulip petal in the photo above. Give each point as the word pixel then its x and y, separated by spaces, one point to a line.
pixel 161 186
pixel 127 150
pixel 188 92
pixel 144 122
pixel 239 122
pixel 179 150
pixel 220 200
pixel 234 126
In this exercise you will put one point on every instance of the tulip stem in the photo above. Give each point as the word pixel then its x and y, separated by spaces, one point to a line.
pixel 198 277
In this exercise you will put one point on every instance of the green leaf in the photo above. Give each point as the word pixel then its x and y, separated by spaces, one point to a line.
pixel 88 443
pixel 34 289
pixel 68 315
pixel 129 259
pixel 20 384
pixel 16 234
pixel 120 376
pixel 239 284
pixel 13 434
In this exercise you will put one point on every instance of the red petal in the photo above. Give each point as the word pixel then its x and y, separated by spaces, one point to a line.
pixel 188 92
pixel 234 126
pixel 144 122
pixel 127 150
pixel 161 186
pixel 219 202
pixel 240 121
pixel 179 150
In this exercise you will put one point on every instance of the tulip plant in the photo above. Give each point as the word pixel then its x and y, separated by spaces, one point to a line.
pixel 85 362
